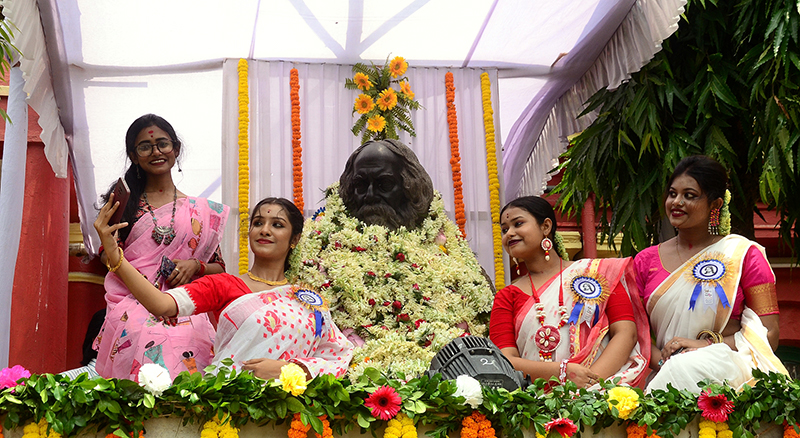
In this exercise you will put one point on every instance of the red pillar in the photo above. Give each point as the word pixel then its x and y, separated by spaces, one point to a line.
pixel 588 229
pixel 39 298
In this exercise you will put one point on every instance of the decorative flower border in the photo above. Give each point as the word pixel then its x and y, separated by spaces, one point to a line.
pixel 494 181
pixel 455 156
pixel 64 406
pixel 297 148
pixel 244 166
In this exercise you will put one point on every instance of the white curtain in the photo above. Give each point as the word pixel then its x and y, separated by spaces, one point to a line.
pixel 326 118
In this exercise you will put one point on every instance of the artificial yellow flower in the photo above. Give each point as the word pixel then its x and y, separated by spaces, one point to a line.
pixel 376 123
pixel 398 66
pixel 627 400
pixel 364 104
pixel 405 88
pixel 387 99
pixel 293 379
pixel 362 81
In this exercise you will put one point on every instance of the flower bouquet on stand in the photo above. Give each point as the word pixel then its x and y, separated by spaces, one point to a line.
pixel 385 102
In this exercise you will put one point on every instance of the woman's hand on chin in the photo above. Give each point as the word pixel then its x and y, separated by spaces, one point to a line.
pixel 105 231
pixel 264 368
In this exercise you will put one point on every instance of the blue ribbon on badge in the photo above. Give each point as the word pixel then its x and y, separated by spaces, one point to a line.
pixel 317 323
pixel 314 302
pixel 576 313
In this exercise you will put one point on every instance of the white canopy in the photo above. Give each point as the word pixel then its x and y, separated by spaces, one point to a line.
pixel 92 66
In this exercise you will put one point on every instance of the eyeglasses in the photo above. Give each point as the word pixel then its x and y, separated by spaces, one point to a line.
pixel 146 149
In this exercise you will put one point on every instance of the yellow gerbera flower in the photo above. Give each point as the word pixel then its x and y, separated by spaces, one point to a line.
pixel 398 66
pixel 364 104
pixel 405 88
pixel 376 123
pixel 362 81
pixel 387 99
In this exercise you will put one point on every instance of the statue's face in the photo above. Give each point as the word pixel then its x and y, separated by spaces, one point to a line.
pixel 377 184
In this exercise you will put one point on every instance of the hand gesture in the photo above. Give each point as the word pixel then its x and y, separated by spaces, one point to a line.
pixel 106 232
pixel 183 272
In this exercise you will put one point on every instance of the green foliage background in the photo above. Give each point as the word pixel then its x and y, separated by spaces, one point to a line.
pixel 725 85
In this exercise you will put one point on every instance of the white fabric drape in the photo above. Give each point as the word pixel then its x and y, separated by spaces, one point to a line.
pixel 12 197
pixel 635 42
pixel 326 118
pixel 34 63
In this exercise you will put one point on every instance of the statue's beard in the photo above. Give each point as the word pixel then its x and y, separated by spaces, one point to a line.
pixel 385 215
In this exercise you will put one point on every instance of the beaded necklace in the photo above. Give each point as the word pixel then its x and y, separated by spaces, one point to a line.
pixel 161 233
pixel 265 281
pixel 548 337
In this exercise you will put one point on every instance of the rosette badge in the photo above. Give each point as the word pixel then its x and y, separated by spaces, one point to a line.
pixel 590 290
pixel 312 301
pixel 708 274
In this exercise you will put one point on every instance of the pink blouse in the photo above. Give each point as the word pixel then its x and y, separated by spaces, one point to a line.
pixel 756 274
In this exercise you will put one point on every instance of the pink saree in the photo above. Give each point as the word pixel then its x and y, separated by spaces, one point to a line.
pixel 131 336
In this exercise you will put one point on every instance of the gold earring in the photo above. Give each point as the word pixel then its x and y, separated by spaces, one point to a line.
pixel 292 246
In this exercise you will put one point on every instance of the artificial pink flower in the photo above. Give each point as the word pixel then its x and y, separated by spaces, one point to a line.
pixel 9 376
pixel 715 407
pixel 563 426
pixel 384 403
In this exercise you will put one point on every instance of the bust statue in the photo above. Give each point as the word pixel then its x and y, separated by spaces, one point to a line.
pixel 384 184
pixel 400 280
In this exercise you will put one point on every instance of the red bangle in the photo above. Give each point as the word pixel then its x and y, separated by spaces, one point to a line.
pixel 202 270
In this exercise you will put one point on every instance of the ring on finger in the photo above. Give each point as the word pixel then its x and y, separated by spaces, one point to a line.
pixel 177 271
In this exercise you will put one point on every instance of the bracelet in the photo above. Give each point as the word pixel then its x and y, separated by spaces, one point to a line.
pixel 712 336
pixel 119 263
pixel 201 267
pixel 562 371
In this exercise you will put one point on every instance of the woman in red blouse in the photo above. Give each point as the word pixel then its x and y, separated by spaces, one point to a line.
pixel 264 322
pixel 564 319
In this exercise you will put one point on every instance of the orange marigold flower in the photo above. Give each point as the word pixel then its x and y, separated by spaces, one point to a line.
pixel 364 104
pixel 362 81
pixel 376 123
pixel 405 88
pixel 398 66
pixel 387 99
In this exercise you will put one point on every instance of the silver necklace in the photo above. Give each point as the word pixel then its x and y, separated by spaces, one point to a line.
pixel 161 233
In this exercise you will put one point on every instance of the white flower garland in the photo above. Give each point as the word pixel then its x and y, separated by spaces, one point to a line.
pixel 400 291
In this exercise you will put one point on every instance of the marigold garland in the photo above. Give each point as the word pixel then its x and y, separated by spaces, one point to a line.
pixel 494 182
pixel 455 157
pixel 215 428
pixel 39 430
pixel 476 425
pixel 300 430
pixel 244 167
pixel 297 149
pixel 636 431
pixel 789 432
pixel 400 426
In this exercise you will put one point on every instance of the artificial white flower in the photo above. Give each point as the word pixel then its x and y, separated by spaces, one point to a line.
pixel 154 378
pixel 470 389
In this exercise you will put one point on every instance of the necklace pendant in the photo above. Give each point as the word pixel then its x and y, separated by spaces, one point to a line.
pixel 547 338
pixel 163 234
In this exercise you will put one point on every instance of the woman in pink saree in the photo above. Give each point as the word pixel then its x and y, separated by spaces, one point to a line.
pixel 710 295
pixel 165 225
pixel 577 321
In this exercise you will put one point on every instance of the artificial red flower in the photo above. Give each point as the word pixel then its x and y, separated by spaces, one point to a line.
pixel 563 426
pixel 715 407
pixel 400 257
pixel 371 302
pixel 397 305
pixel 384 403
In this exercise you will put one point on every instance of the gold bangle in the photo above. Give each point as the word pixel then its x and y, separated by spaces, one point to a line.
pixel 710 334
pixel 119 263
